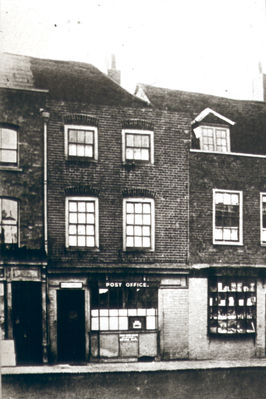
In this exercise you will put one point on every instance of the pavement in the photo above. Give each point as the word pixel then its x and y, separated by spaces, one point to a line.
pixel 135 367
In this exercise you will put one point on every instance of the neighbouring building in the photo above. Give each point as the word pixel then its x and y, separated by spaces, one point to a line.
pixel 132 227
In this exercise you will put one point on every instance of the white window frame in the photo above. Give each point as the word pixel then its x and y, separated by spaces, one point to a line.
pixel 140 200
pixel 81 127
pixel 262 230
pixel 199 134
pixel 141 132
pixel 240 194
pixel 96 216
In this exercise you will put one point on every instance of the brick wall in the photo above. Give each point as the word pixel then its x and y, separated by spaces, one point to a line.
pixel 167 179
pixel 26 183
pixel 227 172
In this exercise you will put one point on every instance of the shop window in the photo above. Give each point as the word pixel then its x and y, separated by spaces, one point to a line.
pixel 123 307
pixel 8 146
pixel 8 221
pixel 138 224
pixel 82 222
pixel 232 306
pixel 263 218
pixel 227 217
pixel 214 139
pixel 81 142
pixel 137 145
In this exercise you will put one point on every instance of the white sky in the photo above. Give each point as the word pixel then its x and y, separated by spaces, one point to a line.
pixel 211 46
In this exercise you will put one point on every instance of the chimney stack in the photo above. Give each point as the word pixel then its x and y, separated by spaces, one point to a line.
pixel 113 73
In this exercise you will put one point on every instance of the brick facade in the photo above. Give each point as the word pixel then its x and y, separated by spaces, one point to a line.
pixel 227 172
pixel 166 180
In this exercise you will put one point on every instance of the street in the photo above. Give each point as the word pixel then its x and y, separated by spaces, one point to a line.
pixel 244 383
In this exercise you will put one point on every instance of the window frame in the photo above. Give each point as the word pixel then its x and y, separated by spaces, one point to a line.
pixel 96 218
pixel 152 237
pixel 262 242
pixel 215 129
pixel 150 133
pixel 18 220
pixel 67 127
pixel 11 164
pixel 240 240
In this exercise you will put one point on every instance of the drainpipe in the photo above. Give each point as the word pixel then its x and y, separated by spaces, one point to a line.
pixel 45 115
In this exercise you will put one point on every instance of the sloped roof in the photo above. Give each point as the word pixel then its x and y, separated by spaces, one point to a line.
pixel 65 80
pixel 248 135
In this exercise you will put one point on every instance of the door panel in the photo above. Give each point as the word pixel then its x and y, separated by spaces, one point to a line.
pixel 27 321
pixel 70 325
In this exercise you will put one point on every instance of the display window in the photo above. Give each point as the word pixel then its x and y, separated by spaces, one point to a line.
pixel 232 306
pixel 121 306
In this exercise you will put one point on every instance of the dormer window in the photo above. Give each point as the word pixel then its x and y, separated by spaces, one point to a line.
pixel 214 139
pixel 212 131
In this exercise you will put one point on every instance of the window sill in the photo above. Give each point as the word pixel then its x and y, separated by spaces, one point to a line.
pixel 229 243
pixel 81 160
pixel 138 251
pixel 11 168
pixel 82 249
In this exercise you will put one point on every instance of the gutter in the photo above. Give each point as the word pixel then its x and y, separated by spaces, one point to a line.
pixel 45 115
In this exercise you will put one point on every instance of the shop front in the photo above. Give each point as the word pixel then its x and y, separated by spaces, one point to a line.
pixel 124 319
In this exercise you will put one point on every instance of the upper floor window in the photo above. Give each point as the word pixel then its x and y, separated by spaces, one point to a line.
pixel 263 218
pixel 139 223
pixel 81 141
pixel 214 139
pixel 227 217
pixel 82 222
pixel 137 145
pixel 8 221
pixel 8 146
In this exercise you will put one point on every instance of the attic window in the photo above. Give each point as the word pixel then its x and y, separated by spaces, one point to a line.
pixel 214 138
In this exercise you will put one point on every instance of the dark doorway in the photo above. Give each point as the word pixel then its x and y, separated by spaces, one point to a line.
pixel 71 326
pixel 27 321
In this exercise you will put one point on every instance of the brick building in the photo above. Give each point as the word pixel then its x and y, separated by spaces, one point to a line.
pixel 132 227
pixel 114 180
pixel 227 166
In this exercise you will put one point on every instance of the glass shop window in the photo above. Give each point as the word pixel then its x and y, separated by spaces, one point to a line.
pixel 232 306
pixel 123 307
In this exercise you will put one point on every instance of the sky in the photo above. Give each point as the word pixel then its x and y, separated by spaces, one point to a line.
pixel 211 46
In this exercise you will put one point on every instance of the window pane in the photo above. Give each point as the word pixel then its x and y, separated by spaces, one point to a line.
pixel 130 230
pixel 8 156
pixel 90 230
pixel 88 151
pixel 73 229
pixel 81 150
pixel 130 242
pixel 81 229
pixel 89 137
pixel 145 141
pixel 137 140
pixel 72 149
pixel 145 155
pixel 146 242
pixel 150 322
pixel 130 207
pixel 73 218
pixel 95 323
pixel 138 242
pixel 138 219
pixel 137 153
pixel 81 206
pixel 9 234
pixel 90 206
pixel 90 242
pixel 123 323
pixel 129 140
pixel 72 136
pixel 129 153
pixel 113 323
pixel 72 241
pixel 90 218
pixel 80 136
pixel 81 241
pixel 9 139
